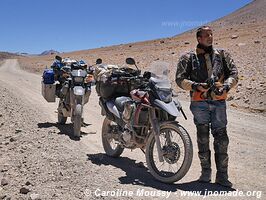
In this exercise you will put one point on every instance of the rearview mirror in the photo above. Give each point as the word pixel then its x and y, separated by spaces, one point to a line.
pixel 58 58
pixel 130 61
pixel 99 61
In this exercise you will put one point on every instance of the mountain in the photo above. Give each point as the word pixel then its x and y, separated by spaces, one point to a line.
pixel 49 52
pixel 6 55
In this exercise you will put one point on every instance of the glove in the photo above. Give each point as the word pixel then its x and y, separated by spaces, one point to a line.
pixel 195 87
pixel 223 89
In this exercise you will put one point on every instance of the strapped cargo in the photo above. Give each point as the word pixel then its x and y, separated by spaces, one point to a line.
pixel 108 83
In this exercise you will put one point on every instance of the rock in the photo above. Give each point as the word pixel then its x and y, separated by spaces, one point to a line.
pixel 186 42
pixel 257 42
pixel 248 87
pixel 24 190
pixel 12 139
pixel 234 36
pixel 34 197
pixel 4 170
pixel 3 196
pixel 130 46
pixel 173 53
pixel 234 105
pixel 28 183
pixel 1 115
pixel 230 98
pixel 18 130
pixel 4 182
pixel 241 44
pixel 246 101
pixel 162 41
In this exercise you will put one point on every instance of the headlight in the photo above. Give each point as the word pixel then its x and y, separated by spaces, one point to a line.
pixel 78 79
pixel 89 79
pixel 165 95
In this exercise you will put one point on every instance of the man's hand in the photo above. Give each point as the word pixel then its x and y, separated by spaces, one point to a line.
pixel 222 90
pixel 201 87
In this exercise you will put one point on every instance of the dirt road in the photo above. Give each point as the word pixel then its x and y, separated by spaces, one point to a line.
pixel 39 157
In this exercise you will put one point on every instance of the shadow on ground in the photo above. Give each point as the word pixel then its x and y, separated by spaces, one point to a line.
pixel 137 174
pixel 64 129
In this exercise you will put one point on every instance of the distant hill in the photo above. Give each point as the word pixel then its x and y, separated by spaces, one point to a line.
pixel 6 55
pixel 49 52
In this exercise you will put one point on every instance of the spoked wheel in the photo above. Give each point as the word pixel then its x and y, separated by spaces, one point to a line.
pixel 77 120
pixel 60 117
pixel 177 153
pixel 110 146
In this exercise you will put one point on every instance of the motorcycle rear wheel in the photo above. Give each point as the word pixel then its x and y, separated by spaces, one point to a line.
pixel 110 148
pixel 60 117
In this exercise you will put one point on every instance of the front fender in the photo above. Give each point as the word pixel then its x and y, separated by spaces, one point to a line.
pixel 168 107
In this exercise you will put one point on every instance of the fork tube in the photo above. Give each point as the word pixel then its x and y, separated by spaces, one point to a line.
pixel 156 131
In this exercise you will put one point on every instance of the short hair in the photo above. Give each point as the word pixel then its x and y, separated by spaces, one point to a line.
pixel 201 29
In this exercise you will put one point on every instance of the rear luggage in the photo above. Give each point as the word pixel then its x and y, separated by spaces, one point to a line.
pixel 48 76
pixel 106 87
pixel 109 90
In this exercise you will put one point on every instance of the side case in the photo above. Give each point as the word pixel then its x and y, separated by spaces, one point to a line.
pixel 48 92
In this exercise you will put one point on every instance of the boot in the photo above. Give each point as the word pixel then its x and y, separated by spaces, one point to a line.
pixel 205 160
pixel 205 176
pixel 204 153
pixel 222 179
pixel 221 142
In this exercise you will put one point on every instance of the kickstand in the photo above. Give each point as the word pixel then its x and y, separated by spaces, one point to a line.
pixel 142 151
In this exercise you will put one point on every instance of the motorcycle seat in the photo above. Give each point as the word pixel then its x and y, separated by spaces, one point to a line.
pixel 120 102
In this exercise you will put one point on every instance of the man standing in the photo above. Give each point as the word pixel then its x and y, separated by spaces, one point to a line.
pixel 209 74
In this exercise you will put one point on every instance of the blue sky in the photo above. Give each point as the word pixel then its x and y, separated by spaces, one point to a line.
pixel 33 26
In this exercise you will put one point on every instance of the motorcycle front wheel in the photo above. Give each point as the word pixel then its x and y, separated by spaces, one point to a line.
pixel 77 121
pixel 177 153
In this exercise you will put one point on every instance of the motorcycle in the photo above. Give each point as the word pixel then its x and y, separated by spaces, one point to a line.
pixel 145 118
pixel 74 92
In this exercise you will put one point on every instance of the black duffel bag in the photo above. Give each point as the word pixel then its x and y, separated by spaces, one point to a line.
pixel 114 86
